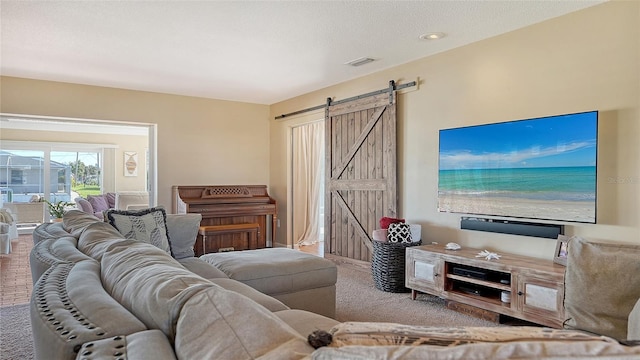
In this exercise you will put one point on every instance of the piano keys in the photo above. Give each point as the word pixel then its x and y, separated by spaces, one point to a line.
pixel 226 205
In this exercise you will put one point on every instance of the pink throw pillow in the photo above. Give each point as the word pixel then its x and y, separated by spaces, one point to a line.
pixel 380 235
pixel 111 200
pixel 98 202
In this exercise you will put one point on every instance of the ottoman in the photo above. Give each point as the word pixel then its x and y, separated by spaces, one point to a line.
pixel 299 280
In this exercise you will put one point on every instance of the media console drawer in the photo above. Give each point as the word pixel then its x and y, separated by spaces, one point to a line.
pixel 518 286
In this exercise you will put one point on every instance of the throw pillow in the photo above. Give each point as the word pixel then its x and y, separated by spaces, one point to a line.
pixel 111 199
pixel 98 202
pixel 601 286
pixel 386 221
pixel 388 334
pixel 183 231
pixel 5 216
pixel 399 233
pixel 84 205
pixel 380 235
pixel 241 328
pixel 147 225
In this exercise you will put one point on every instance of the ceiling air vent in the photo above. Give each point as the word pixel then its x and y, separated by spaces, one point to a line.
pixel 359 61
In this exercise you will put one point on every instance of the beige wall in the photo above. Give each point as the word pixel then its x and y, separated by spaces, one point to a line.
pixel 200 141
pixel 113 172
pixel 582 61
pixel 588 60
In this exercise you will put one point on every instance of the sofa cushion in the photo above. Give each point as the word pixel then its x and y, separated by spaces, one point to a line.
pixel 148 344
pixel 146 225
pixel 593 302
pixel 306 322
pixel 199 267
pixel 69 307
pixel 96 239
pixel 149 283
pixel 267 301
pixel 52 230
pixel 40 258
pixel 75 221
pixel 183 230
pixel 51 251
pixel 233 327
pixel 276 270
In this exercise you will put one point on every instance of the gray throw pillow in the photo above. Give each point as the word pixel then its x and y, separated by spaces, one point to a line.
pixel 146 225
pixel 183 230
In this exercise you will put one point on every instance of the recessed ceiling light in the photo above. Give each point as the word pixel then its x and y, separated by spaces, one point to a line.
pixel 359 61
pixel 432 36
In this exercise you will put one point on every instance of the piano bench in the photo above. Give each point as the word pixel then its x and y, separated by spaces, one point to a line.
pixel 251 229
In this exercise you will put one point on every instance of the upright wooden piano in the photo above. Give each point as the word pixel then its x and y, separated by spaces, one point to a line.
pixel 226 205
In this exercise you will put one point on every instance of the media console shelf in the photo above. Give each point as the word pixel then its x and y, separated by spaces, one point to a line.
pixel 534 287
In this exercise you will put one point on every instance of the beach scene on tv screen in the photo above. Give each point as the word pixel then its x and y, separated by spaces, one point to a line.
pixel 541 168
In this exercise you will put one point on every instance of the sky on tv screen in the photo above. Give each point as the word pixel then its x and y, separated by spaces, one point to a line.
pixel 557 141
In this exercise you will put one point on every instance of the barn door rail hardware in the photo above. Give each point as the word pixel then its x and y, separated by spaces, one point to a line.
pixel 392 87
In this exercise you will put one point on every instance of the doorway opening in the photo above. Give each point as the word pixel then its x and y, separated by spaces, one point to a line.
pixel 59 159
pixel 307 192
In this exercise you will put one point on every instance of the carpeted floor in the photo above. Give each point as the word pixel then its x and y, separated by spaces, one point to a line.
pixel 16 339
pixel 357 300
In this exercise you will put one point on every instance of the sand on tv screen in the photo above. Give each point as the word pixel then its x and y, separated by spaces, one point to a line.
pixel 543 168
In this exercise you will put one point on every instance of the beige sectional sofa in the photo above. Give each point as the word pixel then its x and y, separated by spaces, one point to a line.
pixel 98 295
pixel 89 281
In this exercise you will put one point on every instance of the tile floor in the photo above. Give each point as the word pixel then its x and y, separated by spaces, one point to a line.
pixel 15 274
pixel 315 249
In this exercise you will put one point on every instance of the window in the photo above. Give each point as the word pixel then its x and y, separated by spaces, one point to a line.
pixel 17 177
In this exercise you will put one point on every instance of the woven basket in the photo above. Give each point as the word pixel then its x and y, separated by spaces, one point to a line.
pixel 388 265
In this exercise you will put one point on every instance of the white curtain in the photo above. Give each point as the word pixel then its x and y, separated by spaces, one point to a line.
pixel 308 179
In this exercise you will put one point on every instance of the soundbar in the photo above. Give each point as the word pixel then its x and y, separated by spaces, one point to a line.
pixel 550 231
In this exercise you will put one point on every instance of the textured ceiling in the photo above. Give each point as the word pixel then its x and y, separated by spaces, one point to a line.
pixel 251 51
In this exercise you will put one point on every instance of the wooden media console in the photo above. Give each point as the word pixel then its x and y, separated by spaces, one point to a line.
pixel 533 287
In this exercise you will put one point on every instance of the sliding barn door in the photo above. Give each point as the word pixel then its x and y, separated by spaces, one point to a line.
pixel 360 172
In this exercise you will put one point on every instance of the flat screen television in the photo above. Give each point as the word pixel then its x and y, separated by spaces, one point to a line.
pixel 542 168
